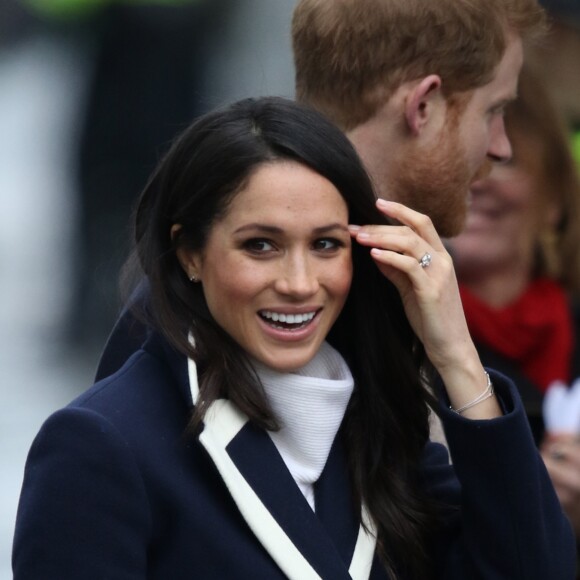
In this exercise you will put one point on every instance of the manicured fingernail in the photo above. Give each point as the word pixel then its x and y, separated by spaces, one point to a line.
pixel 363 236
pixel 353 229
pixel 382 202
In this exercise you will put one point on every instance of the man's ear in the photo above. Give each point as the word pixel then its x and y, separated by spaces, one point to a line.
pixel 420 102
pixel 189 260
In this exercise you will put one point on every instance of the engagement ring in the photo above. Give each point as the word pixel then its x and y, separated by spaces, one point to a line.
pixel 425 261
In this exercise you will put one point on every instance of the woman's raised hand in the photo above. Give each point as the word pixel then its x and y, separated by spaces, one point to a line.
pixel 414 259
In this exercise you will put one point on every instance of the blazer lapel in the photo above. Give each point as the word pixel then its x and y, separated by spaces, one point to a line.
pixel 304 545
pixel 333 496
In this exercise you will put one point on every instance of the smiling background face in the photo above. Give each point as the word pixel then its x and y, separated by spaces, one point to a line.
pixel 281 248
pixel 507 213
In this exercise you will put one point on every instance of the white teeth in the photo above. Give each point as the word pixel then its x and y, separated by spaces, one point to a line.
pixel 288 318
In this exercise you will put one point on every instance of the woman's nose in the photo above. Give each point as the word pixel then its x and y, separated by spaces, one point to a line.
pixel 298 278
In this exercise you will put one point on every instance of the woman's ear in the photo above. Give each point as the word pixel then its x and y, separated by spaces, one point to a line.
pixel 190 261
pixel 421 103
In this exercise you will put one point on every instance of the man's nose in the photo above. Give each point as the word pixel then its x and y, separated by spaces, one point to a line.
pixel 500 148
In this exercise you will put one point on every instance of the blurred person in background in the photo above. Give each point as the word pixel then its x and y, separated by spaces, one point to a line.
pixel 518 264
pixel 147 82
pixel 556 58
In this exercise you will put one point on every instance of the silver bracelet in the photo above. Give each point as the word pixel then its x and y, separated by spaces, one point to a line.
pixel 485 395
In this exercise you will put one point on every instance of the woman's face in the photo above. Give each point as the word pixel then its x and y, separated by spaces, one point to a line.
pixel 276 269
pixel 506 215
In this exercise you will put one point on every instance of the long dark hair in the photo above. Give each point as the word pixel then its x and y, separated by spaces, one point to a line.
pixel 386 424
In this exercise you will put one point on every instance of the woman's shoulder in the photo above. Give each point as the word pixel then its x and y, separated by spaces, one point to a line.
pixel 137 377
pixel 148 394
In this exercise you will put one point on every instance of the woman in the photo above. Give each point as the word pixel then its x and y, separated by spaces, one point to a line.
pixel 518 263
pixel 275 423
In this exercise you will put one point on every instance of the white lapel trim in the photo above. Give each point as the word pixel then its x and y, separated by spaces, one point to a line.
pixel 222 423
pixel 364 551
pixel 192 372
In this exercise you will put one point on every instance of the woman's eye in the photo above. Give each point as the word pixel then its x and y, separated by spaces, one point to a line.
pixel 258 245
pixel 326 244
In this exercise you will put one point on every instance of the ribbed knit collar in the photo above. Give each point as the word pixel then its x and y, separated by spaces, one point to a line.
pixel 309 405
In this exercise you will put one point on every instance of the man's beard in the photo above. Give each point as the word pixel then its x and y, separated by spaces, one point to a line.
pixel 436 182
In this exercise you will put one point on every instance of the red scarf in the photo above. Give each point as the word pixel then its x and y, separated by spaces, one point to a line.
pixel 535 331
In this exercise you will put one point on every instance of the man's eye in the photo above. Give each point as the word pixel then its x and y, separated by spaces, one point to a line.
pixel 258 245
pixel 499 111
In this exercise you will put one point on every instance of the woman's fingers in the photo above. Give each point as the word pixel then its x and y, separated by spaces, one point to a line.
pixel 410 253
pixel 415 237
pixel 401 239
pixel 405 249
pixel 412 256
pixel 418 222
pixel 429 290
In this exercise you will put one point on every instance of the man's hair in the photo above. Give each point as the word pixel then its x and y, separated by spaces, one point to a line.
pixel 350 55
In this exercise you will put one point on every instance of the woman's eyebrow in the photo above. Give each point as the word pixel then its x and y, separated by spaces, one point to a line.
pixel 330 227
pixel 257 226
pixel 277 230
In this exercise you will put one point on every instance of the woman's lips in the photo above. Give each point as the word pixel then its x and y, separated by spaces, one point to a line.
pixel 289 326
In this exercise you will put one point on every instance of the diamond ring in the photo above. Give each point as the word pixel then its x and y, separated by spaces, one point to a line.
pixel 425 261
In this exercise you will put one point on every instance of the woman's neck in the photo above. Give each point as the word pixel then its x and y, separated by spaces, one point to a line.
pixel 309 405
pixel 497 288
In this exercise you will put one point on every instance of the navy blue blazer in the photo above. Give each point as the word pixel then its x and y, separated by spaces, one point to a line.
pixel 115 489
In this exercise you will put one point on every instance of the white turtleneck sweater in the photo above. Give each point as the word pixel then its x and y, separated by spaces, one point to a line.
pixel 309 405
